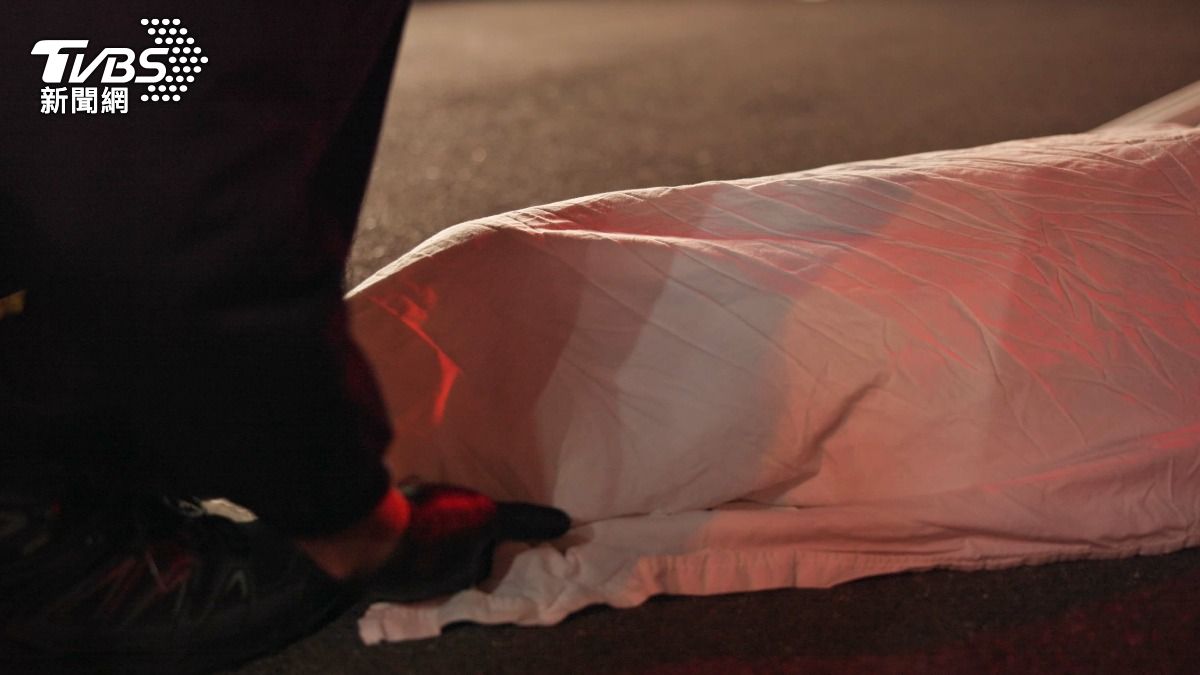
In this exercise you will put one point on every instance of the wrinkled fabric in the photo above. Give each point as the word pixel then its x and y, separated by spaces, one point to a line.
pixel 966 359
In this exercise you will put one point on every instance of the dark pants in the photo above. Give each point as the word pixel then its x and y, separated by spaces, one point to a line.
pixel 183 329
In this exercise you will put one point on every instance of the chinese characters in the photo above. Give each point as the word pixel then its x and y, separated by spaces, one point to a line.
pixel 85 100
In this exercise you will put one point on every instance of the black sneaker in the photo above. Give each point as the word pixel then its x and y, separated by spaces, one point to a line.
pixel 451 536
pixel 146 586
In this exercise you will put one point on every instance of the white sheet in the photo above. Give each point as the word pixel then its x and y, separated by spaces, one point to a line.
pixel 966 359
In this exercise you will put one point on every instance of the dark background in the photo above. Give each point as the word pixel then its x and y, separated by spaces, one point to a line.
pixel 504 104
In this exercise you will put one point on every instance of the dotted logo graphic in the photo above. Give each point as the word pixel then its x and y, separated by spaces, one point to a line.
pixel 185 61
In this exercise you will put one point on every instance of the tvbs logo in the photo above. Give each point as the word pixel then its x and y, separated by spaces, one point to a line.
pixel 165 69
pixel 118 63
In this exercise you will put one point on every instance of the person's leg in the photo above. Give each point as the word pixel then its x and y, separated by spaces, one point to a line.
pixel 181 330
pixel 181 263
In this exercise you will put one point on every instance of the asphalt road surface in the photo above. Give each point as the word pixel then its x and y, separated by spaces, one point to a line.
pixel 499 105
